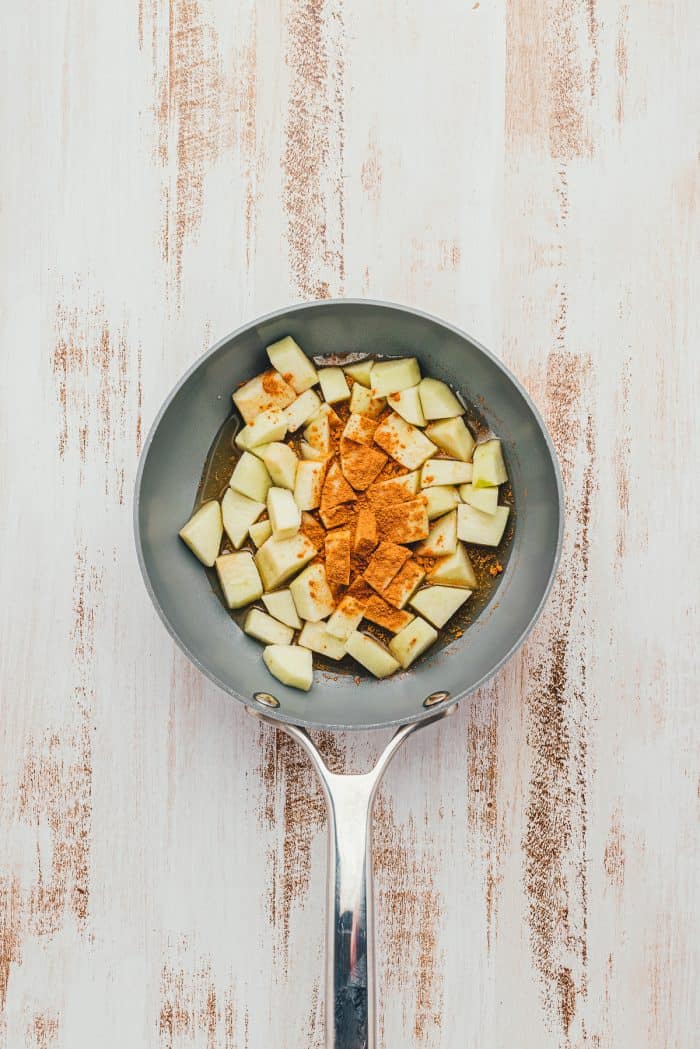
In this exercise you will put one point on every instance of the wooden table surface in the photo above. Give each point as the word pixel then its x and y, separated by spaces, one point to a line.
pixel 526 169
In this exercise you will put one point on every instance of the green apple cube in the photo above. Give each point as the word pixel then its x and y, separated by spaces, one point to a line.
pixel 203 532
pixel 394 376
pixel 440 499
pixel 291 665
pixel 264 628
pixel 288 358
pixel 281 463
pixel 412 641
pixel 308 485
pixel 453 437
pixel 474 526
pixel 360 371
pixel 363 403
pixel 454 570
pixel 307 451
pixel 239 578
pixel 279 559
pixel 260 532
pixel 268 426
pixel 250 477
pixel 262 393
pixel 403 442
pixel 489 468
pixel 302 409
pixel 312 595
pixel 239 513
pixel 334 386
pixel 438 604
pixel 315 637
pixel 408 405
pixel 442 537
pixel 484 499
pixel 284 514
pixel 438 400
pixel 280 604
pixel 371 655
pixel 445 471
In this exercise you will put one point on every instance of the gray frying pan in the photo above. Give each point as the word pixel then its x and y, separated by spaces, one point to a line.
pixel 168 476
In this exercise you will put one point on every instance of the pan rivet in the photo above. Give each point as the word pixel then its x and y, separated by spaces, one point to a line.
pixel 266 699
pixel 434 698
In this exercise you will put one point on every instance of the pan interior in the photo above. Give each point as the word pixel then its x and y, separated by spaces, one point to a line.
pixel 171 467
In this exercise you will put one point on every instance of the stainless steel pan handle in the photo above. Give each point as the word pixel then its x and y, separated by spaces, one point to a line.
pixel 350 976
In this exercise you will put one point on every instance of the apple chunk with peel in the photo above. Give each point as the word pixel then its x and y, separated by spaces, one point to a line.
pixel 279 559
pixel 334 386
pixel 281 463
pixel 445 471
pixel 308 485
pixel 403 442
pixel 412 641
pixel 438 604
pixel 484 499
pixel 371 655
pixel 250 477
pixel 302 409
pixel 312 595
pixel 265 391
pixel 442 538
pixel 264 628
pixel 394 376
pixel 438 401
pixel 489 468
pixel 203 532
pixel 284 514
pixel 239 513
pixel 440 500
pixel 453 437
pixel 292 363
pixel 239 579
pixel 291 665
pixel 260 532
pixel 266 427
pixel 360 371
pixel 474 526
pixel 454 570
pixel 280 604
pixel 315 637
pixel 407 404
pixel 363 403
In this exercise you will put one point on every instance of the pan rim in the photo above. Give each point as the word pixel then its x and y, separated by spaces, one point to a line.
pixel 277 714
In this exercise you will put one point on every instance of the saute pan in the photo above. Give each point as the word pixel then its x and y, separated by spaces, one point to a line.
pixel 169 472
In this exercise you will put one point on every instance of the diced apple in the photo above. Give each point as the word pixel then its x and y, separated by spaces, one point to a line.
pixel 438 604
pixel 292 363
pixel 454 570
pixel 318 433
pixel 408 405
pixel 441 499
pixel 360 464
pixel 265 391
pixel 281 463
pixel 291 665
pixel 203 532
pixel 250 477
pixel 338 516
pixel 366 537
pixel 336 489
pixel 338 548
pixel 239 513
pixel 312 454
pixel 363 403
pixel 359 428
pixel 474 526
pixel 265 427
pixel 489 467
pixel 438 400
pixel 315 637
pixel 445 471
pixel 312 595
pixel 308 485
pixel 379 611
pixel 260 532
pixel 385 564
pixel 403 442
pixel 393 376
pixel 396 489
pixel 404 584
pixel 302 409
pixel 453 437
pixel 484 499
pixel 412 641
pixel 280 604
pixel 279 559
pixel 239 578
pixel 264 628
pixel 360 371
pixel 284 514
pixel 371 655
pixel 442 538
pixel 334 386
pixel 346 618
pixel 406 522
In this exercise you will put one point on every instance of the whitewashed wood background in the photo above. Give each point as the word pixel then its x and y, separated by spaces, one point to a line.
pixel 528 170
